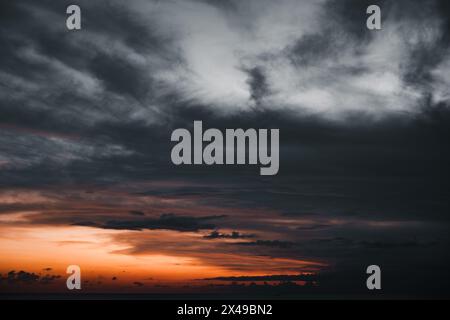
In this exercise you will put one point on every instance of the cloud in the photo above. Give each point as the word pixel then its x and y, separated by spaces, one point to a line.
pixel 137 213
pixel 46 279
pixel 272 63
pixel 296 277
pixel 313 227
pixel 21 277
pixel 300 72
pixel 364 123
pixel 268 243
pixel 166 221
pixel 233 235
pixel 24 277
pixel 138 284
pixel 388 245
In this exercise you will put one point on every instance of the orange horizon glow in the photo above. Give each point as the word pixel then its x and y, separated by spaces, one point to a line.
pixel 34 239
pixel 34 248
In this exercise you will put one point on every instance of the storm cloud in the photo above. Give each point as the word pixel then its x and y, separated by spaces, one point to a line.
pixel 364 119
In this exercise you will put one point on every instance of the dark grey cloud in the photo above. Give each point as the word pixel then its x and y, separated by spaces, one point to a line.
pixel 268 243
pixel 137 213
pixel 309 141
pixel 295 277
pixel 46 279
pixel 258 84
pixel 166 221
pixel 233 235
pixel 377 244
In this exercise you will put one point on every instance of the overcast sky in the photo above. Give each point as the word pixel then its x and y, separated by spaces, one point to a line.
pixel 86 118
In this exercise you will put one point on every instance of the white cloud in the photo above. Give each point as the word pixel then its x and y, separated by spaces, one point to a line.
pixel 216 44
pixel 441 77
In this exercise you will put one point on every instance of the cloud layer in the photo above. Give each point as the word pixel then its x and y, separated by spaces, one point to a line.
pixel 364 119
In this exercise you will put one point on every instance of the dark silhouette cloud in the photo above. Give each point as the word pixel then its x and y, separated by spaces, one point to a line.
pixel 268 243
pixel 137 213
pixel 24 277
pixel 166 221
pixel 296 277
pixel 233 235
pixel 46 279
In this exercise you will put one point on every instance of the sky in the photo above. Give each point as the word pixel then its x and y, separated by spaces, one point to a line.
pixel 86 118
